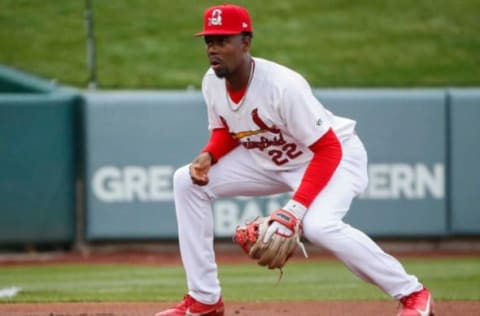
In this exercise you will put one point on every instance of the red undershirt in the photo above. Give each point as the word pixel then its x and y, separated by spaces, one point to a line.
pixel 237 95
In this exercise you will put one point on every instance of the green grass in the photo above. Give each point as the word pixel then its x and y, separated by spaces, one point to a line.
pixel 149 43
pixel 449 279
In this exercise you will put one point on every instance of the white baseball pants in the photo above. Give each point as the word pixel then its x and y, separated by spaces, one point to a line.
pixel 237 174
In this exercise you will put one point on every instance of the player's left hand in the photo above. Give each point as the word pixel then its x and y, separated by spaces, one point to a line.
pixel 285 220
pixel 276 228
pixel 272 240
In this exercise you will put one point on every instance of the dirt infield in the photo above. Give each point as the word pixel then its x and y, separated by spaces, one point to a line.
pixel 234 309
pixel 170 256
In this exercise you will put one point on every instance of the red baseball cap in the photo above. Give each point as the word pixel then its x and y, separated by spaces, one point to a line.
pixel 226 19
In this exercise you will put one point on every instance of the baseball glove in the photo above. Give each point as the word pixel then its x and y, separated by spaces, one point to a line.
pixel 276 250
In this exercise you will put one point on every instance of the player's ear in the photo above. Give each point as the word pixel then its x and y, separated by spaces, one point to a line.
pixel 247 41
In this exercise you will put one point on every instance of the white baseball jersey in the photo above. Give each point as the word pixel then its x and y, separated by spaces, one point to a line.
pixel 284 115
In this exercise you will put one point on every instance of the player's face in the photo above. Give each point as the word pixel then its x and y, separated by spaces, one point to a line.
pixel 225 53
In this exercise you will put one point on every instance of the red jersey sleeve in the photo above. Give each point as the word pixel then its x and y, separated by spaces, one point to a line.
pixel 220 143
pixel 327 153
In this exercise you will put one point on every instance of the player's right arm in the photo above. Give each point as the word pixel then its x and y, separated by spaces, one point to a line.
pixel 219 144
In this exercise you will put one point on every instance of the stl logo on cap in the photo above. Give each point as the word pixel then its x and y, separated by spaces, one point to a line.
pixel 226 19
pixel 216 18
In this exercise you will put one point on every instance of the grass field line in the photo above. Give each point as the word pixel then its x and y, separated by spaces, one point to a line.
pixel 448 278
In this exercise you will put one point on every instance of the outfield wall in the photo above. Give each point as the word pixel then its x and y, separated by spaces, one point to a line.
pixel 421 182
pixel 38 159
pixel 99 165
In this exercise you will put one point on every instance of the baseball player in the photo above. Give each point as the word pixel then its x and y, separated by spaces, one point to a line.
pixel 269 134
